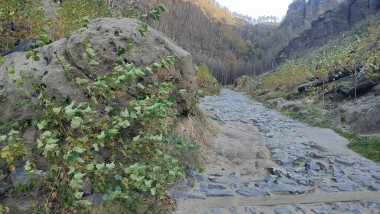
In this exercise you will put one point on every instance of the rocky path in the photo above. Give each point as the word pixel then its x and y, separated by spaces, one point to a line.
pixel 265 162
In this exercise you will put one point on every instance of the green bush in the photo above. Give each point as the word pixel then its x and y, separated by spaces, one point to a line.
pixel 206 82
pixel 75 14
pixel 20 20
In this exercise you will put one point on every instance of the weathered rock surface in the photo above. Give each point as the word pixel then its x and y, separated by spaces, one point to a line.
pixel 330 25
pixel 362 114
pixel 105 36
pixel 244 83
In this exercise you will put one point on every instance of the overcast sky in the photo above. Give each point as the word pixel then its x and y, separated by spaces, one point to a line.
pixel 257 8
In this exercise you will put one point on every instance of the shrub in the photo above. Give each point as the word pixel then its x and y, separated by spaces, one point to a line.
pixel 206 82
pixel 20 20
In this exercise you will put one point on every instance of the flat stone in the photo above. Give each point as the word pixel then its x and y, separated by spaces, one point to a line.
pixel 322 210
pixel 315 154
pixel 374 187
pixel 252 192
pixel 302 178
pixel 286 189
pixel 203 187
pixel 360 179
pixel 284 159
pixel 21 177
pixel 376 176
pixel 371 204
pixel 344 208
pixel 284 180
pixel 233 210
pixel 283 210
pixel 347 187
pixel 200 177
pixel 337 171
pixel 216 211
pixel 300 207
pixel 271 178
pixel 217 186
pixel 278 171
pixel 236 186
pixel 94 199
pixel 312 165
pixel 214 193
pixel 250 210
pixel 328 188
pixel 345 161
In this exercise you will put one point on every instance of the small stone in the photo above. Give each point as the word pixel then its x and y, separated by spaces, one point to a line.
pixel 200 177
pixel 283 210
pixel 312 166
pixel 233 210
pixel 347 187
pixel 300 207
pixel 269 135
pixel 315 154
pixel 321 210
pixel 285 188
pixel 278 171
pixel 213 193
pixel 284 180
pixel 362 180
pixel 344 161
pixel 376 176
pixel 371 204
pixel 252 192
pixel 203 187
pixel 216 211
pixel 374 187
pixel 94 199
pixel 235 186
pixel 328 188
pixel 217 186
pixel 250 210
pixel 21 177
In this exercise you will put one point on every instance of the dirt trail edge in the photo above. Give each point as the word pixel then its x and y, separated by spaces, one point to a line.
pixel 265 163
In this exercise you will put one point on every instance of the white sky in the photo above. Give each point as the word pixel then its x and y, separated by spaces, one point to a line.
pixel 255 8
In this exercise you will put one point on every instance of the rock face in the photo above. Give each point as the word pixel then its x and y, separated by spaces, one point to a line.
pixel 362 115
pixel 330 25
pixel 105 36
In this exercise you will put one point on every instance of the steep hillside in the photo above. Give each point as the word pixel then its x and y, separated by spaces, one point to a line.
pixel 299 17
pixel 211 34
pixel 330 25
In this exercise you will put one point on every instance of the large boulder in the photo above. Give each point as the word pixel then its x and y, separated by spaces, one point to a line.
pixel 244 82
pixel 105 35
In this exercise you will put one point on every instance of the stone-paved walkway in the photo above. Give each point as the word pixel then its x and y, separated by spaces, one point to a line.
pixel 301 169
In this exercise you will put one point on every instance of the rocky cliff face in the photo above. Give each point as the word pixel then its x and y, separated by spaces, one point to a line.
pixel 330 25
pixel 299 17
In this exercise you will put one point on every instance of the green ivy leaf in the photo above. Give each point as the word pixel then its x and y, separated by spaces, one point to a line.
pixel 11 70
pixel 76 122
pixel 41 124
pixel 57 110
pixel 78 176
pixel 102 136
pixel 78 195
pixel 110 166
pixel 96 147
pixel 2 138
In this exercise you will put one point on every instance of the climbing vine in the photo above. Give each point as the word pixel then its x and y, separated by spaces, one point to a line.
pixel 100 146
